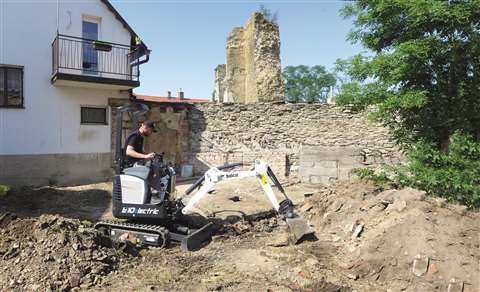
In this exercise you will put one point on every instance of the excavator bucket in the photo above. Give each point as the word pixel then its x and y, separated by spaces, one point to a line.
pixel 298 228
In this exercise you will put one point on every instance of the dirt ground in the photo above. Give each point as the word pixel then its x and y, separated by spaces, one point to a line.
pixel 367 239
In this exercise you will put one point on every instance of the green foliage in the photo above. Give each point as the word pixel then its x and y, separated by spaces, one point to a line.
pixel 423 71
pixel 4 190
pixel 268 14
pixel 307 84
pixel 454 175
pixel 380 179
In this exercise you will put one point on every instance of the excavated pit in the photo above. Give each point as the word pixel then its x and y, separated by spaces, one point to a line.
pixel 368 240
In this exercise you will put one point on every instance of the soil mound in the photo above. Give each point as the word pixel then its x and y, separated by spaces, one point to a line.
pixel 53 253
pixel 401 240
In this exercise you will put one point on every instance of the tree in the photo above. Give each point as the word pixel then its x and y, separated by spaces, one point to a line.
pixel 423 78
pixel 268 14
pixel 424 73
pixel 307 84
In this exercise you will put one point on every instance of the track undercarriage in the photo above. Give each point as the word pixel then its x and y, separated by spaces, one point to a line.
pixel 157 235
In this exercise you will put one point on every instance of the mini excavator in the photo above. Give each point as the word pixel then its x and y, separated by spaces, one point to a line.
pixel 163 220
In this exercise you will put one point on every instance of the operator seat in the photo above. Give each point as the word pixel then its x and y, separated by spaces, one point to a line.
pixel 139 171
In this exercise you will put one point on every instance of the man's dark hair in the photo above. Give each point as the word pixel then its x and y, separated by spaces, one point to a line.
pixel 150 125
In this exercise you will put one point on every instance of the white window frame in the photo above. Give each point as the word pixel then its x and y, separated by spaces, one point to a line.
pixel 98 21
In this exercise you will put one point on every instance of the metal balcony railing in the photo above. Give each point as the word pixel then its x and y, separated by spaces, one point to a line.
pixel 79 56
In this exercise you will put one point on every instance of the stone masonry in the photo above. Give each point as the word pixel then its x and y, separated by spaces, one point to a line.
pixel 316 143
pixel 253 70
pixel 219 92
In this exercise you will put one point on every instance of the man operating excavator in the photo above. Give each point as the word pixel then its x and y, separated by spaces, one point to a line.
pixel 134 144
pixel 158 221
pixel 135 155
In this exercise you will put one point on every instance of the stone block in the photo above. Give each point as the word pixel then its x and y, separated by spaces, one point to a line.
pixel 344 173
pixel 329 152
pixel 325 164
pixel 351 161
pixel 322 171
pixel 315 179
pixel 307 163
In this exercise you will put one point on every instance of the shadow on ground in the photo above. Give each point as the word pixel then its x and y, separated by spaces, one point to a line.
pixel 78 203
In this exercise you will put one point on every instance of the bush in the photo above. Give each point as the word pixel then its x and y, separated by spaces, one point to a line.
pixel 4 190
pixel 454 175
pixel 379 179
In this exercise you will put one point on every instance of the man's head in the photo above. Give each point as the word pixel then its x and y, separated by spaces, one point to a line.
pixel 147 128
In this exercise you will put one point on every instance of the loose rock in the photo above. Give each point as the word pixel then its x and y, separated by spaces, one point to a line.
pixel 357 231
pixel 455 285
pixel 420 265
pixel 306 207
pixel 60 257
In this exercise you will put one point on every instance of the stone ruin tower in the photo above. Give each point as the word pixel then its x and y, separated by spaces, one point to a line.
pixel 253 69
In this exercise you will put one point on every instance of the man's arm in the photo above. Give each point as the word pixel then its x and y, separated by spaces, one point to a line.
pixel 132 153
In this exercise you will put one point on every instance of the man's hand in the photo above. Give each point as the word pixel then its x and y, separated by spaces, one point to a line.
pixel 149 156
pixel 132 153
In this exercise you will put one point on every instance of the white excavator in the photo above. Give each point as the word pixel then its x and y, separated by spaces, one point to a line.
pixel 158 222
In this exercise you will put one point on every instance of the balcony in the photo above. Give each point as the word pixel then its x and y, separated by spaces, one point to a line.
pixel 89 63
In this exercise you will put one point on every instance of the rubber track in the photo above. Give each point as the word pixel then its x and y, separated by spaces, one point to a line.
pixel 156 229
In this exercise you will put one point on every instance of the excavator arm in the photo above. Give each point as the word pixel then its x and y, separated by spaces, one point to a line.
pixel 298 226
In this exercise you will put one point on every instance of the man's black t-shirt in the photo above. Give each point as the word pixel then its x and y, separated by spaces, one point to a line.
pixel 135 139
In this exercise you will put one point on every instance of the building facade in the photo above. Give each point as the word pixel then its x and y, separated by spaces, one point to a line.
pixel 60 63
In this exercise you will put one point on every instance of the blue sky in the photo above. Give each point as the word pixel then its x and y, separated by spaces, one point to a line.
pixel 187 38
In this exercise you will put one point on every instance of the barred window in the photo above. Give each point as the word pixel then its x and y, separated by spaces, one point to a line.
pixel 11 86
pixel 93 115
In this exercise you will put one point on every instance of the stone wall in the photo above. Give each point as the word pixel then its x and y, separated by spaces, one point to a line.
pixel 253 70
pixel 314 142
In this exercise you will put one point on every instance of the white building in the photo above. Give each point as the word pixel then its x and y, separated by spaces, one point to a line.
pixel 55 83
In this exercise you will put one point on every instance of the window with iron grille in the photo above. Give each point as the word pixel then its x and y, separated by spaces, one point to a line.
pixel 11 86
pixel 93 115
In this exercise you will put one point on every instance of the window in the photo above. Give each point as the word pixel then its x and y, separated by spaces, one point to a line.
pixel 93 115
pixel 11 86
pixel 90 55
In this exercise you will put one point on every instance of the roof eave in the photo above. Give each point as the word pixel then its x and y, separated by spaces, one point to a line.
pixel 124 22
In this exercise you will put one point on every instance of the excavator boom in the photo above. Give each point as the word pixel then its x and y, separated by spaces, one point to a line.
pixel 297 225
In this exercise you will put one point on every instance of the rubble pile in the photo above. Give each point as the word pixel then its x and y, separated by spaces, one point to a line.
pixel 397 239
pixel 53 253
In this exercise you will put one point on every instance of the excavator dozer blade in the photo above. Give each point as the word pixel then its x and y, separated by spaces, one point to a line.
pixel 298 227
pixel 197 239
